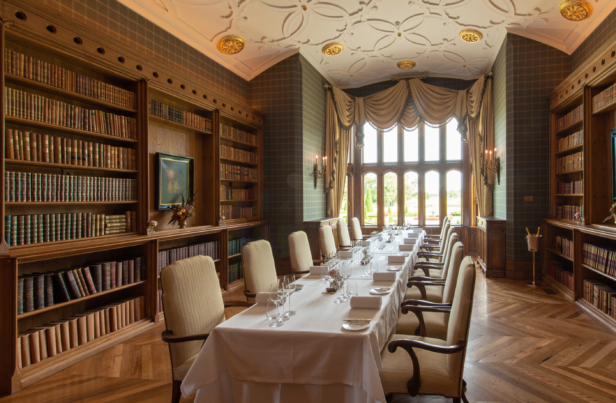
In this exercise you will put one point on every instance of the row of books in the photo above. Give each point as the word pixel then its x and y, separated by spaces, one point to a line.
pixel 36 187
pixel 56 76
pixel 36 147
pixel 237 134
pixel 571 140
pixel 166 257
pixel 601 296
pixel 236 245
pixel 564 246
pixel 40 290
pixel 238 155
pixel 568 212
pixel 39 343
pixel 237 173
pixel 25 105
pixel 236 272
pixel 599 258
pixel 40 228
pixel 227 193
pixel 573 162
pixel 167 112
pixel 232 212
pixel 568 188
pixel 604 98
pixel 555 270
pixel 570 118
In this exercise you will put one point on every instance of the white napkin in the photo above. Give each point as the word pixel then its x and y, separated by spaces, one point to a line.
pixel 406 247
pixel 262 297
pixel 365 243
pixel 395 258
pixel 366 302
pixel 410 241
pixel 316 270
pixel 385 276
pixel 345 254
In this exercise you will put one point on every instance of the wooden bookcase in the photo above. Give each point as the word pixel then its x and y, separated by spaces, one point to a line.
pixel 38 37
pixel 582 88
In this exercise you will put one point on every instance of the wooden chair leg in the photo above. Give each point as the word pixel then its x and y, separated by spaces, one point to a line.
pixel 464 399
pixel 456 400
pixel 176 393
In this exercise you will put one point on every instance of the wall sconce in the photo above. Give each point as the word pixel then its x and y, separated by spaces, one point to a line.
pixel 490 163
pixel 316 173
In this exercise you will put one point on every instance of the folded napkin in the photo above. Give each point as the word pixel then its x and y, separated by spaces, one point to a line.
pixel 386 276
pixel 406 247
pixel 395 258
pixel 262 297
pixel 366 302
pixel 365 243
pixel 410 241
pixel 316 270
pixel 344 254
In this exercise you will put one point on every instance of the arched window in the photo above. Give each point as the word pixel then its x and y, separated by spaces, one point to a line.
pixel 411 191
pixel 433 184
pixel 390 146
pixel 454 141
pixel 411 145
pixel 370 147
pixel 390 195
pixel 454 197
pixel 432 141
pixel 370 197
pixel 344 210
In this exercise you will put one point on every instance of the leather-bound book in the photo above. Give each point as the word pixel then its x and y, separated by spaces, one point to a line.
pixel 14 220
pixel 7 230
pixel 82 328
pixel 45 148
pixel 18 353
pixel 128 221
pixel 131 271
pixel 82 280
pixel 49 295
pixel 90 325
pixel 57 152
pixel 113 318
pixel 139 269
pixel 89 281
pixel 107 276
pixel 103 328
pixel 131 311
pixel 42 336
pixel 72 284
pixel 66 334
pixel 119 277
pixel 58 331
pixel 28 294
pixel 96 271
pixel 74 157
pixel 73 332
pixel 39 147
pixel 61 286
pixel 20 295
pixel 125 273
pixel 50 334
pixel 10 141
pixel 35 346
pixel 34 146
pixel 27 146
pixel 97 324
pixel 137 309
pixel 24 341
pixel 108 320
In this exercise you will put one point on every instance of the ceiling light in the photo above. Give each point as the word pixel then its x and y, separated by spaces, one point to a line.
pixel 406 64
pixel 575 10
pixel 471 35
pixel 333 49
pixel 231 44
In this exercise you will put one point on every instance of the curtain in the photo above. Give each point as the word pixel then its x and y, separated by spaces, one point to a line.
pixel 409 103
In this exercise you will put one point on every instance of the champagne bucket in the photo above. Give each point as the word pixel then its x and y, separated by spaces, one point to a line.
pixel 534 242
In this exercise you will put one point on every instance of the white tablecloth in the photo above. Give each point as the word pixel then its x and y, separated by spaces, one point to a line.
pixel 309 359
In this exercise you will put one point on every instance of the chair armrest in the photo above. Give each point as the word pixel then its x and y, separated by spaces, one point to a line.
pixel 432 265
pixel 430 247
pixel 421 302
pixel 421 278
pixel 421 286
pixel 408 345
pixel 429 254
pixel 317 262
pixel 435 237
pixel 433 241
pixel 168 337
pixel 249 294
pixel 229 304
pixel 418 311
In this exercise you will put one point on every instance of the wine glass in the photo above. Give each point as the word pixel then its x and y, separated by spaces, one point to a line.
pixel 282 298
pixel 289 286
pixel 340 281
pixel 325 274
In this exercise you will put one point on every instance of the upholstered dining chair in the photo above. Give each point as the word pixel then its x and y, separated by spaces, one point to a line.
pixel 433 294
pixel 435 323
pixel 259 268
pixel 435 252
pixel 437 245
pixel 356 234
pixel 328 245
pixel 344 239
pixel 433 268
pixel 417 365
pixel 193 306
pixel 301 256
pixel 442 234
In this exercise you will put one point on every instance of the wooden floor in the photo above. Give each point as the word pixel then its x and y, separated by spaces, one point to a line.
pixel 526 346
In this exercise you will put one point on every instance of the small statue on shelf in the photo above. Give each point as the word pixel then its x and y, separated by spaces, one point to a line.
pixel 151 225
pixel 221 222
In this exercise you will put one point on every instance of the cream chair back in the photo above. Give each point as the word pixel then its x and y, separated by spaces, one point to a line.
pixel 344 239
pixel 192 302
pixel 259 267
pixel 460 317
pixel 299 248
pixel 451 240
pixel 443 227
pixel 457 252
pixel 326 237
pixel 445 235
pixel 356 229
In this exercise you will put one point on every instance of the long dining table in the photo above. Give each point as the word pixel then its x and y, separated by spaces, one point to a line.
pixel 311 358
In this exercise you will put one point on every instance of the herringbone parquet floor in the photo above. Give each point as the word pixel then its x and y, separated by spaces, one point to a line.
pixel 525 346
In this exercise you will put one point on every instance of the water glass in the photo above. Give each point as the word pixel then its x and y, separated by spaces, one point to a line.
pixel 271 312
pixel 352 288
pixel 289 286
pixel 325 274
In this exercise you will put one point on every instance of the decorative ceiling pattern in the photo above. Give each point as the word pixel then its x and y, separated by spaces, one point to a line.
pixel 376 34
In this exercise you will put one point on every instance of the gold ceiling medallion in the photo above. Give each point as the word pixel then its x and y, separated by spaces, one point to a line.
pixel 406 64
pixel 333 49
pixel 575 10
pixel 231 44
pixel 471 35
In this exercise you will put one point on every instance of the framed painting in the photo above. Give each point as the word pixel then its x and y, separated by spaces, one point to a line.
pixel 174 179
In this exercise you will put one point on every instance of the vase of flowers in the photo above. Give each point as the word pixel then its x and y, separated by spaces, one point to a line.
pixel 151 225
pixel 182 212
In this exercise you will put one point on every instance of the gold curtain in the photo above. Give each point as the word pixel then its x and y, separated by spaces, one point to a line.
pixel 408 103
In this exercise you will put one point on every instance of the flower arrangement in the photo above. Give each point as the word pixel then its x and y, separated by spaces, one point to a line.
pixel 612 213
pixel 181 212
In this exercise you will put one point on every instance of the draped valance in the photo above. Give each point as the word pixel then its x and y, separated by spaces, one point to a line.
pixel 409 103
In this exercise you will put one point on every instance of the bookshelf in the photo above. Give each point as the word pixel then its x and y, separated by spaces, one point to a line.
pixel 125 135
pixel 592 89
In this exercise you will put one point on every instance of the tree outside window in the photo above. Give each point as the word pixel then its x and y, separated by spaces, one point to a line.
pixel 390 183
pixel 370 194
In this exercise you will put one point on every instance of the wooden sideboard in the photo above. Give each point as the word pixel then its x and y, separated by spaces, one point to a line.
pixel 491 246
pixel 312 231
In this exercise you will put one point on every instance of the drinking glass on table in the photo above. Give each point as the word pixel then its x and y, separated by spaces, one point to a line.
pixel 352 288
pixel 282 298
pixel 340 281
pixel 289 286
pixel 325 274
pixel 272 309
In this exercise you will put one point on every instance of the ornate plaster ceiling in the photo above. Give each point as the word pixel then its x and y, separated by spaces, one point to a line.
pixel 376 34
